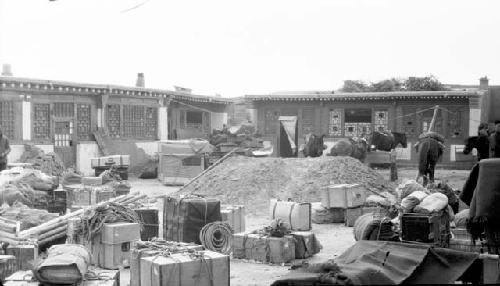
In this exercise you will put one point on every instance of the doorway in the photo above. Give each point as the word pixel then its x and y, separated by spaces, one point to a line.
pixel 288 136
pixel 64 141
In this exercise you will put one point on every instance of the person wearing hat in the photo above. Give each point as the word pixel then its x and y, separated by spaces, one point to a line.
pixel 4 151
pixel 495 141
pixel 483 142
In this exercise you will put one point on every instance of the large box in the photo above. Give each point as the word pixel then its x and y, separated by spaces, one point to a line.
pixel 164 246
pixel 234 215
pixel 306 244
pixel 264 248
pixel 26 255
pixel 431 229
pixel 150 223
pixel 180 169
pixel 111 248
pixel 296 215
pixel 185 217
pixel 107 161
pixel 7 266
pixel 206 268
pixel 343 196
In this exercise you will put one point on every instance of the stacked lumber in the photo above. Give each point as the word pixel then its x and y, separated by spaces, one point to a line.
pixel 10 231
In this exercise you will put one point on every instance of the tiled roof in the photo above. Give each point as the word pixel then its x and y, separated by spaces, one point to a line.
pixel 342 96
pixel 28 84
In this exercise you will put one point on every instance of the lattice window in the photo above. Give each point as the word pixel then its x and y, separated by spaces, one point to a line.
pixel 425 119
pixel 364 129
pixel 134 121
pixel 83 121
pixel 41 121
pixel 335 122
pixel 455 127
pixel 271 121
pixel 351 129
pixel 151 129
pixel 113 120
pixel 410 126
pixel 7 118
pixel 307 120
pixel 381 122
pixel 64 109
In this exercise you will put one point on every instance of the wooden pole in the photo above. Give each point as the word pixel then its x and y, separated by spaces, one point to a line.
pixel 433 121
pixel 208 169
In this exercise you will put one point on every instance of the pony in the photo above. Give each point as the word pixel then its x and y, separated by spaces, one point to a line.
pixel 387 141
pixel 430 153
pixel 481 146
pixel 314 145
pixel 353 147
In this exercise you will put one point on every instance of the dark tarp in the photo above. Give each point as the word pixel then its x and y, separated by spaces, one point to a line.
pixel 389 263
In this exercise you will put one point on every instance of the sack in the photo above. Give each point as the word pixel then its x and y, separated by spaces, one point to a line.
pixel 432 203
pixel 65 264
pixel 297 216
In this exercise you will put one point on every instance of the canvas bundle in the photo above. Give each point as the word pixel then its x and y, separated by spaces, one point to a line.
pixel 264 248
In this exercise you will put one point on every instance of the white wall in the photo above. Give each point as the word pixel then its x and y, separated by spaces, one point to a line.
pixel 218 120
pixel 18 150
pixel 474 120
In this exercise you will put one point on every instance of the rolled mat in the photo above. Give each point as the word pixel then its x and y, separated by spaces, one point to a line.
pixel 483 214
pixel 372 227
pixel 65 264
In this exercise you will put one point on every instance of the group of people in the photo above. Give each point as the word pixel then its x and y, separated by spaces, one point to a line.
pixel 488 144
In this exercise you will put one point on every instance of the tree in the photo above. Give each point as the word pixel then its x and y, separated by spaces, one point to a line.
pixel 387 85
pixel 355 86
pixel 423 83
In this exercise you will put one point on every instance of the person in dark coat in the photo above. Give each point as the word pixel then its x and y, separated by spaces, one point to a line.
pixel 483 142
pixel 495 141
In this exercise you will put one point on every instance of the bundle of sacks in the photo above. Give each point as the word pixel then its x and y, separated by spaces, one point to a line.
pixel 34 178
pixel 417 199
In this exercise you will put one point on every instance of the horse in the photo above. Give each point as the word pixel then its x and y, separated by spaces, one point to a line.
pixel 481 146
pixel 353 147
pixel 314 145
pixel 387 141
pixel 430 152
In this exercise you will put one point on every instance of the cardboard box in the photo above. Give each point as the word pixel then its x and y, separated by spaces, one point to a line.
pixel 343 196
pixel 207 269
pixel 92 181
pixel 234 215
pixel 7 266
pixel 118 160
pixel 352 214
pixel 101 277
pixel 263 248
pixel 296 215
pixel 21 278
pixel 137 254
pixel 306 244
pixel 25 254
pixel 116 239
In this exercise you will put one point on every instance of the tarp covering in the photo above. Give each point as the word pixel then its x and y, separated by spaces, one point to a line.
pixel 289 123
pixel 389 263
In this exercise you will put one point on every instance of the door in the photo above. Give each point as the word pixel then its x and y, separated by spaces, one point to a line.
pixel 64 142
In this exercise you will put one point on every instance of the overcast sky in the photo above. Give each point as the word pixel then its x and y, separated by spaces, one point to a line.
pixel 236 47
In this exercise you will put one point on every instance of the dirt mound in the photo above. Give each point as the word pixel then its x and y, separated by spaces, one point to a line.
pixel 253 181
pixel 49 163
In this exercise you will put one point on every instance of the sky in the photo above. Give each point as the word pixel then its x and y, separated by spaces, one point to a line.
pixel 234 48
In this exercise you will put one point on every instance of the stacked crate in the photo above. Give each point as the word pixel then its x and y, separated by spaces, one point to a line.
pixel 346 199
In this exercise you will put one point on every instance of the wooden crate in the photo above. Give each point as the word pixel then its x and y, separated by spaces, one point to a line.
pixel 180 169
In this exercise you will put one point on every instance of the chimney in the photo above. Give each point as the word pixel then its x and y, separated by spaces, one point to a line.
pixel 6 70
pixel 140 80
pixel 483 83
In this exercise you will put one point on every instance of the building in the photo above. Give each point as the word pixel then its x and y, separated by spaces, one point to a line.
pixel 61 116
pixel 339 115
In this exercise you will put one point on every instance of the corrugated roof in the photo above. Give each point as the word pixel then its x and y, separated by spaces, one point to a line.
pixel 364 95
pixel 88 88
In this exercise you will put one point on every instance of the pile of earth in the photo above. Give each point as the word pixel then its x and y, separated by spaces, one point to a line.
pixel 254 181
pixel 49 163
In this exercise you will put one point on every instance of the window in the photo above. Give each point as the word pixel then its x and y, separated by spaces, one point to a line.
pixel 455 123
pixel 133 121
pixel 381 120
pixel 64 109
pixel 83 121
pixel 113 120
pixel 409 121
pixel 151 130
pixel 194 119
pixel 271 121
pixel 358 115
pixel 307 120
pixel 335 122
pixel 41 122
pixel 7 118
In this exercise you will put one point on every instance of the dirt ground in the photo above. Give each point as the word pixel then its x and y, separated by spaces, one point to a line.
pixel 335 238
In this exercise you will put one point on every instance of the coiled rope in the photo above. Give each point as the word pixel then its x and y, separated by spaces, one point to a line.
pixel 217 236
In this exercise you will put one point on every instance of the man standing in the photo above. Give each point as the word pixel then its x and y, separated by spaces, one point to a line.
pixel 4 151
pixel 495 141
pixel 483 142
